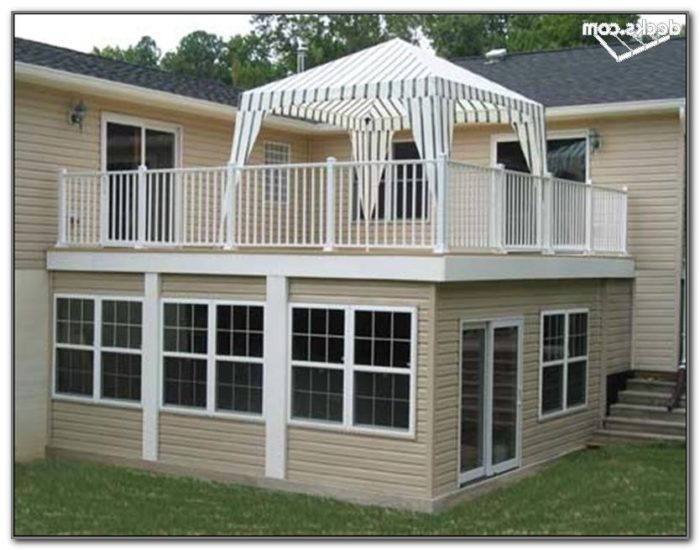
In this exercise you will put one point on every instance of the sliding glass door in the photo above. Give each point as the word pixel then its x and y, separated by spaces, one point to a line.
pixel 129 145
pixel 490 398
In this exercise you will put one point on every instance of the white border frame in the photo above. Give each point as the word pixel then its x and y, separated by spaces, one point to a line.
pixel 97 350
pixel 564 362
pixel 348 367
pixel 576 133
pixel 488 469
pixel 210 411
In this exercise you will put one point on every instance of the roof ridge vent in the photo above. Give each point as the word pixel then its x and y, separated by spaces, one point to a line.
pixel 496 55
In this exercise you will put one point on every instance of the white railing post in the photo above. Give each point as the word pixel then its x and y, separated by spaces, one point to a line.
pixel 623 237
pixel 104 209
pixel 330 204
pixel 589 216
pixel 548 213
pixel 142 209
pixel 62 208
pixel 498 178
pixel 441 218
pixel 230 196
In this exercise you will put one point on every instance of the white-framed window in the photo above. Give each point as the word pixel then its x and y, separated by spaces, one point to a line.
pixel 568 154
pixel 563 361
pixel 276 180
pixel 212 357
pixel 353 367
pixel 97 347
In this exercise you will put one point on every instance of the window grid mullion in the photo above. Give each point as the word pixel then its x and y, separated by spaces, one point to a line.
pixel 349 376
pixel 97 353
pixel 565 374
pixel 210 404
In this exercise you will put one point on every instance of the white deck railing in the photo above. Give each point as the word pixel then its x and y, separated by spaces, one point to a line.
pixel 333 205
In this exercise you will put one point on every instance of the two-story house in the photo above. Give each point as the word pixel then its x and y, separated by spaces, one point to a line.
pixel 390 278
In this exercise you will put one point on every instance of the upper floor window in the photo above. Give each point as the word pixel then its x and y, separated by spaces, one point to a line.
pixel 566 158
pixel 276 180
pixel 129 143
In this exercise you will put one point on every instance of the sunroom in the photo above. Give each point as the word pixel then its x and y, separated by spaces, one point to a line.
pixel 420 198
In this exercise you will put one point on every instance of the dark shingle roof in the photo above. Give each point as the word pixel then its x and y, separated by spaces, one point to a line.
pixel 38 53
pixel 587 75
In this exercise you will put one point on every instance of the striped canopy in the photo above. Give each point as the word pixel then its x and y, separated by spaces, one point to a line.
pixel 389 87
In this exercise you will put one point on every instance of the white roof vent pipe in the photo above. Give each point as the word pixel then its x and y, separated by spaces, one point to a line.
pixel 494 56
pixel 301 56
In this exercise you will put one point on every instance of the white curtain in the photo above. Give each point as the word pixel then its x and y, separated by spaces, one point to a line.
pixel 245 131
pixel 432 121
pixel 370 146
pixel 532 142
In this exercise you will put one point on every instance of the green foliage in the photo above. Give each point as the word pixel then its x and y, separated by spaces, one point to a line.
pixel 268 52
pixel 610 491
pixel 547 32
pixel 145 53
pixel 200 54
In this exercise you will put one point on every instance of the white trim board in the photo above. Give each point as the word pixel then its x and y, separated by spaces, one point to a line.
pixel 373 267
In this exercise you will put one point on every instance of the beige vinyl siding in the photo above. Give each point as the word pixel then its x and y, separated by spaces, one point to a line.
pixel 90 282
pixel 541 440
pixel 213 287
pixel 222 445
pixel 375 463
pixel 646 154
pixel 96 428
pixel 617 325
pixel 45 143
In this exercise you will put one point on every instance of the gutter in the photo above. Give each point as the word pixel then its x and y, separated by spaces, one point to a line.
pixel 614 109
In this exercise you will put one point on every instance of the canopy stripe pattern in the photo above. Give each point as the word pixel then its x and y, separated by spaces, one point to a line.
pixel 389 87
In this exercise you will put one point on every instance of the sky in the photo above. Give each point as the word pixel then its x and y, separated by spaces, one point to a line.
pixel 82 32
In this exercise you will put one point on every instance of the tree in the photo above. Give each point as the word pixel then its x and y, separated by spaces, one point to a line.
pixel 327 37
pixel 250 62
pixel 546 32
pixel 200 54
pixel 269 52
pixel 145 53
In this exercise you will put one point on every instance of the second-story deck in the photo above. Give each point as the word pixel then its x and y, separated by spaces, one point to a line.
pixel 469 209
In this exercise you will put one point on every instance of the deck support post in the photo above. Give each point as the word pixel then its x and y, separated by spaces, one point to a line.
pixel 498 184
pixel 230 206
pixel 150 365
pixel 275 376
pixel 330 204
pixel 589 216
pixel 142 208
pixel 441 218
pixel 548 214
pixel 62 208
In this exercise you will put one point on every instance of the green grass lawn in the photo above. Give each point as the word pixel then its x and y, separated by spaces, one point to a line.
pixel 609 491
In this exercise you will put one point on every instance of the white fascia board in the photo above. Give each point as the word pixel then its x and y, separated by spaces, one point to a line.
pixel 514 266
pixel 615 109
pixel 369 267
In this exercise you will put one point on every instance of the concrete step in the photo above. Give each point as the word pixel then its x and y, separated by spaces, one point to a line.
pixel 646 426
pixel 624 410
pixel 651 386
pixel 621 437
pixel 633 397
